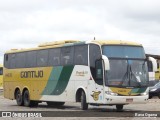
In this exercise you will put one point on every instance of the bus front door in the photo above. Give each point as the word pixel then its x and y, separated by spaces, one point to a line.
pixel 96 89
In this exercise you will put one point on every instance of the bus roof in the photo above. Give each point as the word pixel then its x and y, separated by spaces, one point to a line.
pixel 54 44
pixel 115 42
pixel 61 43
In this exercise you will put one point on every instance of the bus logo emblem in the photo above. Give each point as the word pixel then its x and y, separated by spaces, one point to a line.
pixel 95 95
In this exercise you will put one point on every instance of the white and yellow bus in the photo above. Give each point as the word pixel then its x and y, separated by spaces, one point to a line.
pixel 98 72
pixel 1 76
pixel 154 70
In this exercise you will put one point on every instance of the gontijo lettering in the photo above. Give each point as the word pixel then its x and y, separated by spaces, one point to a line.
pixel 32 74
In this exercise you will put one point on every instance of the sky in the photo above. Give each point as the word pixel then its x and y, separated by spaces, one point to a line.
pixel 28 23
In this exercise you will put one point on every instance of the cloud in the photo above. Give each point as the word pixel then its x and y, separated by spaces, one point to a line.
pixel 27 23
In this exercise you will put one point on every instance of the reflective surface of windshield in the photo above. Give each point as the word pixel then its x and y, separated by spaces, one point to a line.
pixel 127 73
pixel 124 52
pixel 128 67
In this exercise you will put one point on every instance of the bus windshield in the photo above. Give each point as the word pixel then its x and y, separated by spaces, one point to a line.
pixel 136 52
pixel 128 67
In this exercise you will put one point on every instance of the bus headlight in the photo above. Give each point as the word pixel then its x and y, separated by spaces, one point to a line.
pixel 111 93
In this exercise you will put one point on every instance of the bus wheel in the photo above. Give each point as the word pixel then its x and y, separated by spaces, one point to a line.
pixel 150 97
pixel 26 98
pixel 119 108
pixel 27 101
pixel 55 104
pixel 84 104
pixel 19 98
pixel 159 95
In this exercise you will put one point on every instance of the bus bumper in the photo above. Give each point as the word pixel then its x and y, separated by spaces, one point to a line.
pixel 113 100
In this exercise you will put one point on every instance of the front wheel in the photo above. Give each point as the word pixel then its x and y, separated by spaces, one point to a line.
pixel 84 104
pixel 19 98
pixel 119 108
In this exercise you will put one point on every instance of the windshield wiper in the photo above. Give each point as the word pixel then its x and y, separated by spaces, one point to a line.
pixel 128 76
pixel 132 74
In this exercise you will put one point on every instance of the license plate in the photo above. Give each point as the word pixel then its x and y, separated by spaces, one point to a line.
pixel 129 100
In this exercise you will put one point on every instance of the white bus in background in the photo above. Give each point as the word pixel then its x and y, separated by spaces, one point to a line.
pixel 153 68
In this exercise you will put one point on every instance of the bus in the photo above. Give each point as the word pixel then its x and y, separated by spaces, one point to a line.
pixel 157 73
pixel 98 72
pixel 154 73
pixel 1 76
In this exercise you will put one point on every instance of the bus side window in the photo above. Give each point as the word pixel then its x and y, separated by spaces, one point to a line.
pixel 6 60
pixel 81 55
pixel 1 70
pixel 42 58
pixel 12 61
pixel 31 59
pixel 67 55
pixel 54 57
pixel 94 54
pixel 150 66
pixel 20 60
pixel 99 70
pixel 158 65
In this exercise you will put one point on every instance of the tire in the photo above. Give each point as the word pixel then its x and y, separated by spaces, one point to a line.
pixel 159 95
pixel 150 97
pixel 27 101
pixel 119 108
pixel 55 104
pixel 84 104
pixel 19 98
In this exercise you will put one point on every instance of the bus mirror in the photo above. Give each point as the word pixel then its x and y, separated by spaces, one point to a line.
pixel 154 63
pixel 106 62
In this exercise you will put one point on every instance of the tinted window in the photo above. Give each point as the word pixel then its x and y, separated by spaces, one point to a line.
pixel 94 54
pixel 20 60
pixel 99 70
pixel 158 65
pixel 6 60
pixel 12 59
pixel 42 58
pixel 150 66
pixel 31 59
pixel 1 70
pixel 67 55
pixel 81 55
pixel 124 52
pixel 54 56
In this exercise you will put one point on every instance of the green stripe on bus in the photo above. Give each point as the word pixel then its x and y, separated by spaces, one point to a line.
pixel 142 90
pixel 53 80
pixel 63 80
pixel 138 90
